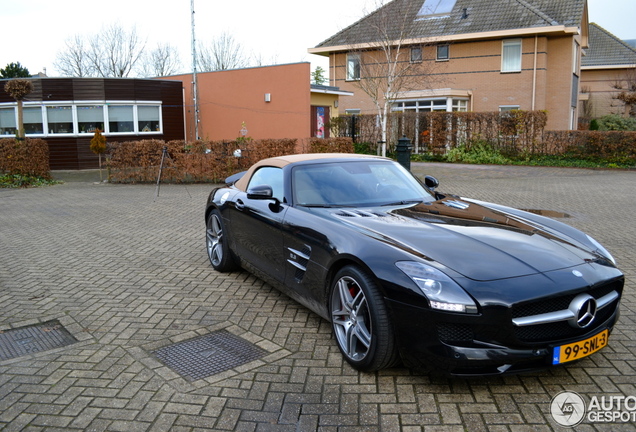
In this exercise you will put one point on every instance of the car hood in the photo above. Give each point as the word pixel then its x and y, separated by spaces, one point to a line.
pixel 474 240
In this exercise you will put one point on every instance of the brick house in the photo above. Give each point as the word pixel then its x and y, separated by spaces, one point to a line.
pixel 609 63
pixel 471 55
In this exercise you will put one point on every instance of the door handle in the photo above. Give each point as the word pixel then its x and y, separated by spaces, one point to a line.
pixel 240 205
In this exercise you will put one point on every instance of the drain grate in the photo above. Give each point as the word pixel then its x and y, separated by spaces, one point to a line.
pixel 33 339
pixel 208 355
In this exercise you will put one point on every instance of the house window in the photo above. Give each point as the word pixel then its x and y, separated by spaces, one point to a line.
pixel 505 108
pixel 354 111
pixel 416 54
pixel 148 119
pixel 7 121
pixel 460 105
pixel 575 91
pixel 90 118
pixel 428 105
pixel 33 120
pixel 121 118
pixel 511 56
pixel 443 52
pixel 60 119
pixel 432 8
pixel 353 67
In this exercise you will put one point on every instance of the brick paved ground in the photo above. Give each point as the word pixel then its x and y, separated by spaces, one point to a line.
pixel 126 276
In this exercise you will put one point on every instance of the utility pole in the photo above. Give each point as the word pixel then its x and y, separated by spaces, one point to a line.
pixel 195 90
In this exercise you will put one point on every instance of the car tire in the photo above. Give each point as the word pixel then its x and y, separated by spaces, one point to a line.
pixel 219 252
pixel 360 321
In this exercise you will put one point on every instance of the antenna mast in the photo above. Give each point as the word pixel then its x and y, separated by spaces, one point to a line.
pixel 195 94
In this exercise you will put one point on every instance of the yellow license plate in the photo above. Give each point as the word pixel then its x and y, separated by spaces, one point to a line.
pixel 577 350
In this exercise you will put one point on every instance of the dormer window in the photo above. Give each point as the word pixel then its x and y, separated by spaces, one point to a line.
pixel 436 8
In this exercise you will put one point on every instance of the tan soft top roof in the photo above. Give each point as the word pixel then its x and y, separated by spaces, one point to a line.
pixel 281 161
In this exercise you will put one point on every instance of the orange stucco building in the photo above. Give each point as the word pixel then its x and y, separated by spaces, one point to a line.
pixel 270 102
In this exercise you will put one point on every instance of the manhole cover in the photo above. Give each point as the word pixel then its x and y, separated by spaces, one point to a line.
pixel 33 339
pixel 208 355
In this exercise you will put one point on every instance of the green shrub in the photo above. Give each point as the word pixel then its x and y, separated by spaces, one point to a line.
pixel 614 122
pixel 477 153
pixel 24 181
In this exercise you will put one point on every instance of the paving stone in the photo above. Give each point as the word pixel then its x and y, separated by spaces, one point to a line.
pixel 126 275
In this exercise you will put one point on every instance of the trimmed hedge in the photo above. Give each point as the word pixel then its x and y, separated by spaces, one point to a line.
pixel 201 161
pixel 611 146
pixel 28 157
pixel 331 145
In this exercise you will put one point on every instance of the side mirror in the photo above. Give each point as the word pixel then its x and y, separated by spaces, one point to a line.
pixel 431 182
pixel 260 192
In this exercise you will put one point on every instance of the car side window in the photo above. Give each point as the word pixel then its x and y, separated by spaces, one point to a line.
pixel 271 176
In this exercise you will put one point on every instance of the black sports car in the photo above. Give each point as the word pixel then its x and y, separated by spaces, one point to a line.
pixel 406 273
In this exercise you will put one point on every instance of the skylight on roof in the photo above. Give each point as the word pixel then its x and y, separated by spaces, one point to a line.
pixel 436 8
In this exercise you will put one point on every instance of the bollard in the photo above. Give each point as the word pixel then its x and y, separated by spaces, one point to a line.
pixel 403 150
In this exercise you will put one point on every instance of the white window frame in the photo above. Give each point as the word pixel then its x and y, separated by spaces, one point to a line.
pixel 437 56
pixel 417 58
pixel 74 105
pixel 506 66
pixel 353 74
pixel 506 108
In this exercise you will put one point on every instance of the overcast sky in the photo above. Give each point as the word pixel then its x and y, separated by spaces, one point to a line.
pixel 279 31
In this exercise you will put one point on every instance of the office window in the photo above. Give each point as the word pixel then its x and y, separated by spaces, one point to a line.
pixel 90 118
pixel 32 120
pixel 416 54
pixel 353 67
pixel 121 118
pixel 7 121
pixel 60 119
pixel 511 56
pixel 443 52
pixel 148 118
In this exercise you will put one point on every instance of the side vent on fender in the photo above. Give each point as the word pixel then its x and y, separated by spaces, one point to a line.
pixel 299 259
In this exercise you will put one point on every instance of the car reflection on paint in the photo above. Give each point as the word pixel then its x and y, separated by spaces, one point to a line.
pixel 407 274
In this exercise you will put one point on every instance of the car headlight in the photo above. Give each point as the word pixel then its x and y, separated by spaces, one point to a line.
pixel 600 249
pixel 442 292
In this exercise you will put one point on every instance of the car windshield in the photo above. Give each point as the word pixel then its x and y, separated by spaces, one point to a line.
pixel 356 184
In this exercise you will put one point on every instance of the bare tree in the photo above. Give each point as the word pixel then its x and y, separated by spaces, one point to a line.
pixel 223 53
pixel 161 61
pixel 115 52
pixel 258 60
pixel 626 86
pixel 388 65
pixel 73 60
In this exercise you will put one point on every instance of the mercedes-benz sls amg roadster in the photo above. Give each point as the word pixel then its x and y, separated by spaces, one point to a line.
pixel 406 274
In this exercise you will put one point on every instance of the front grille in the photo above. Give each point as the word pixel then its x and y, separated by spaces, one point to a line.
pixel 449 332
pixel 562 329
pixel 546 305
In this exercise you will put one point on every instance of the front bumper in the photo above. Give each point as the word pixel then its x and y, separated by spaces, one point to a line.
pixel 422 345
